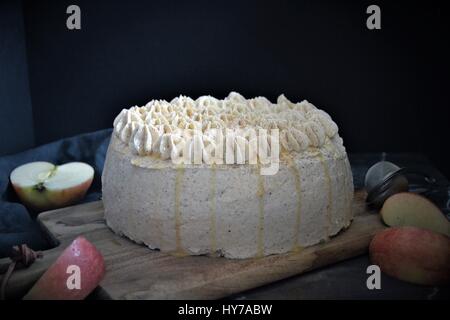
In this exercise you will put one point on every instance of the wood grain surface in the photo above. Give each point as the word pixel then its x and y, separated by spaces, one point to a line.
pixel 135 272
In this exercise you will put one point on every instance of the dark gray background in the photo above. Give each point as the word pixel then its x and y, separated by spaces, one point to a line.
pixel 16 121
pixel 386 88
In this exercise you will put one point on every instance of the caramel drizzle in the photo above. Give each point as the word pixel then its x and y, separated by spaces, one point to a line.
pixel 347 169
pixel 297 180
pixel 348 185
pixel 178 189
pixel 260 194
pixel 329 192
pixel 212 197
pixel 159 233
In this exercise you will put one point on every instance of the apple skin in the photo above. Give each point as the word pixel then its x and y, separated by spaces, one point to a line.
pixel 51 199
pixel 53 283
pixel 411 209
pixel 412 254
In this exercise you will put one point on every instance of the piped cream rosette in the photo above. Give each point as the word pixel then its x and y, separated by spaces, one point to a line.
pixel 194 130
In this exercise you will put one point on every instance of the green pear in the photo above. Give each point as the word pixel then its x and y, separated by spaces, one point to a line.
pixel 410 209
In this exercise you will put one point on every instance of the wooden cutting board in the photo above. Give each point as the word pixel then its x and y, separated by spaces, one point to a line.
pixel 135 272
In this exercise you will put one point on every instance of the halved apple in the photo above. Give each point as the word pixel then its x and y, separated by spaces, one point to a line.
pixel 410 209
pixel 44 186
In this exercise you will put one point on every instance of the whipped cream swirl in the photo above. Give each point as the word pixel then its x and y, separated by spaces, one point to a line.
pixel 169 129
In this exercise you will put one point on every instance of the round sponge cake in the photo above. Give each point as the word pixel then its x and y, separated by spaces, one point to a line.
pixel 219 208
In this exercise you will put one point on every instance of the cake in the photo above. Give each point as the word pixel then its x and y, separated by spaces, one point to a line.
pixel 165 188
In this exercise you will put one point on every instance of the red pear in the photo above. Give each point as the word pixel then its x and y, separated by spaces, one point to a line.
pixel 76 272
pixel 411 254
